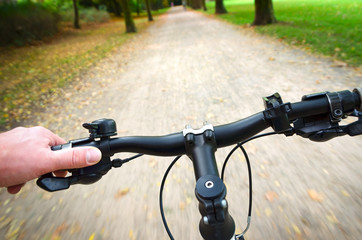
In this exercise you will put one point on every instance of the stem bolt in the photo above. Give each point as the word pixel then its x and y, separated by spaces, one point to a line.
pixel 209 184
pixel 206 220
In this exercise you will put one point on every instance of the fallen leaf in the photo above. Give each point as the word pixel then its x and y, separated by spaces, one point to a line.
pixel 152 162
pixel 277 183
pixel 264 175
pixel 345 193
pixel 131 235
pixel 210 115
pixel 76 227
pixel 182 205
pixel 47 196
pixel 98 212
pixel 190 118
pixel 56 234
pixel 268 212
pixel 121 193
pixel 250 148
pixel 5 221
pixel 332 218
pixel 315 196
pixel 6 202
pixel 92 236
pixel 296 229
pixel 270 196
pixel 339 64
pixel 14 229
pixel 39 219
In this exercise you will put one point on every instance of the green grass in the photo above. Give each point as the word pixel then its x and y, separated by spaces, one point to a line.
pixel 329 27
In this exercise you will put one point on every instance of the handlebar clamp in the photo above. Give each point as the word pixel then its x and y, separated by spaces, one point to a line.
pixel 335 106
pixel 277 113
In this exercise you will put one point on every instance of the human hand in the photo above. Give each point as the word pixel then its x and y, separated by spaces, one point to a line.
pixel 25 154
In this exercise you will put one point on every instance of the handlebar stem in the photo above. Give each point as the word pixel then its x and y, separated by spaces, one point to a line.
pixel 216 222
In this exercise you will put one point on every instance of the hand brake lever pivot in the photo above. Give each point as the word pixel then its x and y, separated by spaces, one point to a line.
pixel 103 129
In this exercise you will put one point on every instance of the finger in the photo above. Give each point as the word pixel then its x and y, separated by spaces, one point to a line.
pixel 60 173
pixel 57 140
pixel 74 158
pixel 15 189
pixel 54 139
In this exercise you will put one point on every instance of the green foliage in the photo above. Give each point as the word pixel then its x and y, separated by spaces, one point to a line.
pixel 24 22
pixel 330 27
pixel 86 15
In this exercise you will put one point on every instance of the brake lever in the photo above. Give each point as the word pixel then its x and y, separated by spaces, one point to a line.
pixel 355 128
pixel 87 175
pixel 103 129
pixel 332 131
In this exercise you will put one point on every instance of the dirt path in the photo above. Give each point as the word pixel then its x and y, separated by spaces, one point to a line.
pixel 188 68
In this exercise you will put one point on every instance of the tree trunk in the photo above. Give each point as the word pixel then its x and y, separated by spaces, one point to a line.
pixel 264 12
pixel 149 10
pixel 130 26
pixel 117 8
pixel 219 7
pixel 138 8
pixel 76 15
pixel 196 4
pixel 204 5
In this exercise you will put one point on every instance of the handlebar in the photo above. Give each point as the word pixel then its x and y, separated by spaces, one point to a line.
pixel 228 134
pixel 316 117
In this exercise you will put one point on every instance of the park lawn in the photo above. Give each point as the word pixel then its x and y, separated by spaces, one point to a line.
pixel 329 27
pixel 29 75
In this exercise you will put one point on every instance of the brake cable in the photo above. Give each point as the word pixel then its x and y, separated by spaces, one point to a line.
pixel 161 191
pixel 239 145
pixel 116 163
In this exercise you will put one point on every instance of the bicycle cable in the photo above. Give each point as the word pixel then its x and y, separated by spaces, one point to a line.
pixel 161 192
pixel 116 163
pixel 239 145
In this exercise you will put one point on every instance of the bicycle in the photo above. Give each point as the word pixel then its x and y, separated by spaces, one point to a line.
pixel 316 117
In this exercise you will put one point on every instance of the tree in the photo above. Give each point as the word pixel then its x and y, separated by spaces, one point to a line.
pixel 116 8
pixel 196 4
pixel 219 7
pixel 130 26
pixel 203 5
pixel 264 12
pixel 76 15
pixel 149 14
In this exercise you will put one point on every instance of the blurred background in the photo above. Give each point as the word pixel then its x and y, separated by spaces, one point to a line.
pixel 154 68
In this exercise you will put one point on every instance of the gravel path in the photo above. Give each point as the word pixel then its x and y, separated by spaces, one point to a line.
pixel 188 68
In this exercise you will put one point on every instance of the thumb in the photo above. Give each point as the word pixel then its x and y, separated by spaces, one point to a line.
pixel 76 157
